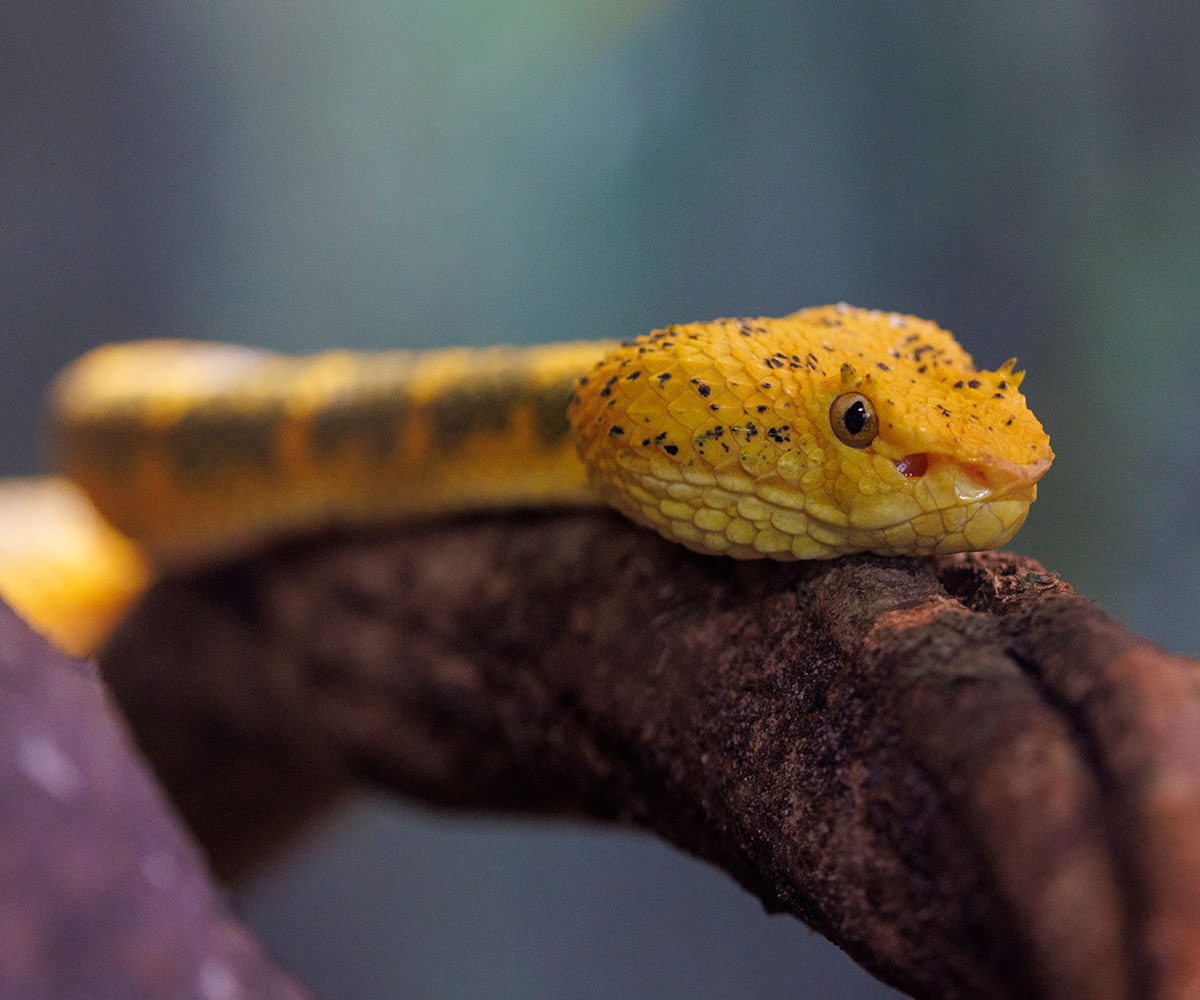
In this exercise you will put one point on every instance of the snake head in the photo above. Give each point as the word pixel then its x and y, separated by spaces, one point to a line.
pixel 830 431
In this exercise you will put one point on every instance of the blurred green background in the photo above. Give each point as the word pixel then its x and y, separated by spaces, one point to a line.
pixel 422 172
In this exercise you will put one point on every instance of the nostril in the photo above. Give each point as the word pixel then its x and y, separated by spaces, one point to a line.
pixel 913 466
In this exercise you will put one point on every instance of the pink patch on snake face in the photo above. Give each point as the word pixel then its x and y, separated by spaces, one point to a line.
pixel 913 466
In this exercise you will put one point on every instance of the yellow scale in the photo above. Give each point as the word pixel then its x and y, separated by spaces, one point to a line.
pixel 830 431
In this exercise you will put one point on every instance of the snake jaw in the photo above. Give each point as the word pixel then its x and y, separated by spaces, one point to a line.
pixel 966 505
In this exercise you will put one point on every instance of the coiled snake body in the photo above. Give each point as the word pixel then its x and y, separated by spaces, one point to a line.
pixel 830 431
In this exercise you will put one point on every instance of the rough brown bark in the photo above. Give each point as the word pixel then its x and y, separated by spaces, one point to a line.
pixel 102 894
pixel 958 770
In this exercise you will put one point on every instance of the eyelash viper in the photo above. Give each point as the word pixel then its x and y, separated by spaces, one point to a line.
pixel 830 431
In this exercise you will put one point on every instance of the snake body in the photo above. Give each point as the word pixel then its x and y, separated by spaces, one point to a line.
pixel 830 431
pixel 196 450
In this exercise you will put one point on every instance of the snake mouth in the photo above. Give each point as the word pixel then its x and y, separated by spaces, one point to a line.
pixel 988 477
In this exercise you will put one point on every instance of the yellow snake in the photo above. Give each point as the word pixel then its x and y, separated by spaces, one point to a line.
pixel 829 431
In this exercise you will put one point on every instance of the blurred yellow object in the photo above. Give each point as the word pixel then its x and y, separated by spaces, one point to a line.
pixel 62 567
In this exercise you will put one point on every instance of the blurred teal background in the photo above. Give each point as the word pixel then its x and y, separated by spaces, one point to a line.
pixel 422 172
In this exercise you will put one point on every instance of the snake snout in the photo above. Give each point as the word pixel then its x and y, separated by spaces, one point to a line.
pixel 998 477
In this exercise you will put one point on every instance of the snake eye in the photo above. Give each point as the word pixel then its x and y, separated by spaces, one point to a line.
pixel 853 419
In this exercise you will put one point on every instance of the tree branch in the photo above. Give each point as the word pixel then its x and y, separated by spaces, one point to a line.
pixel 958 770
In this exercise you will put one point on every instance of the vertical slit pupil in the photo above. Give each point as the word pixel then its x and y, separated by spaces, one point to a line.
pixel 855 418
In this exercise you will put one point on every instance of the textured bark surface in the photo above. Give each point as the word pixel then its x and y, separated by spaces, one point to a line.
pixel 958 770
pixel 102 893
